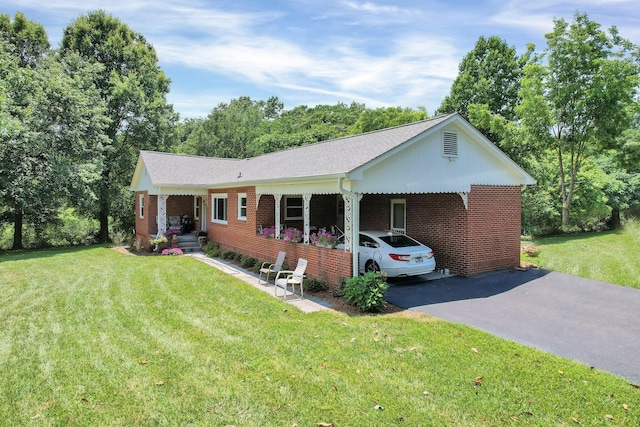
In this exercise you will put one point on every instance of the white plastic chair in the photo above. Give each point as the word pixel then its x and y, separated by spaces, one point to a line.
pixel 291 278
pixel 267 268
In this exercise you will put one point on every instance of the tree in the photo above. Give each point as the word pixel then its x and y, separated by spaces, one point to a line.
pixel 229 129
pixel 24 39
pixel 133 89
pixel 53 118
pixel 382 118
pixel 489 74
pixel 576 103
pixel 306 125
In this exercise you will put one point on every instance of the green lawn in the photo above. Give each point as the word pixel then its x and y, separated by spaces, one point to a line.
pixel 611 256
pixel 92 337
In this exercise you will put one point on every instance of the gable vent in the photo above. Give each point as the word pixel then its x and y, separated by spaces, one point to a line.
pixel 449 144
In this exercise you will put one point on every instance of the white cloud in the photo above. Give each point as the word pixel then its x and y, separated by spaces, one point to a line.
pixel 371 7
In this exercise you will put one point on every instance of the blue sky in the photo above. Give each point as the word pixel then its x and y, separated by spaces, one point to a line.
pixel 309 52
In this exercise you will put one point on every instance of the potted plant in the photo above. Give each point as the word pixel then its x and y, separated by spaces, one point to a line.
pixel 324 239
pixel 159 243
pixel 269 232
pixel 291 235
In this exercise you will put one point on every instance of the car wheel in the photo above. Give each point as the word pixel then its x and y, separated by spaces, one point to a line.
pixel 371 266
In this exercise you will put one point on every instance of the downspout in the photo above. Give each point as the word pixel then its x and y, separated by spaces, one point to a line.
pixel 355 229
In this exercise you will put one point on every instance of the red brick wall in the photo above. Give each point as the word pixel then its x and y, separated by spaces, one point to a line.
pixel 483 238
pixel 494 228
pixel 180 206
pixel 142 224
pixel 266 212
pixel 241 236
pixel 440 222
pixel 437 220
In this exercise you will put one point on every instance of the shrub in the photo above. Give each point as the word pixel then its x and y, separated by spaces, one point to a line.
pixel 228 255
pixel 211 249
pixel 119 238
pixel 315 285
pixel 366 292
pixel 248 262
pixel 71 229
pixel 237 257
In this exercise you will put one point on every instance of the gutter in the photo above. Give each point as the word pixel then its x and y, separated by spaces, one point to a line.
pixel 355 227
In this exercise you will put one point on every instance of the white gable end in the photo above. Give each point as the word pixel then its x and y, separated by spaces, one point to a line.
pixel 432 164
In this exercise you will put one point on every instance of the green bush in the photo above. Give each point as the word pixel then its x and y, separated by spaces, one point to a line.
pixel 248 262
pixel 315 285
pixel 211 249
pixel 366 292
pixel 237 257
pixel 71 229
pixel 120 238
pixel 228 255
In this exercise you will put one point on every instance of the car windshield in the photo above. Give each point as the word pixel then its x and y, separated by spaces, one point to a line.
pixel 399 241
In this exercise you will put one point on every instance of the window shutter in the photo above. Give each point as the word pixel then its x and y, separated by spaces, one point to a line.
pixel 449 144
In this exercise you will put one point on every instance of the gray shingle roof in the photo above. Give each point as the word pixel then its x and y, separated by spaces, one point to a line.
pixel 326 158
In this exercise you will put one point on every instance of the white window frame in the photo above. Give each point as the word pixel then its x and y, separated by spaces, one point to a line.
pixel 141 206
pixel 196 207
pixel 242 216
pixel 214 208
pixel 288 217
pixel 402 202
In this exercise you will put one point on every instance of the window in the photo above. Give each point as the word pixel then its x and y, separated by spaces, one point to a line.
pixel 141 204
pixel 292 207
pixel 449 144
pixel 196 207
pixel 399 215
pixel 242 206
pixel 219 210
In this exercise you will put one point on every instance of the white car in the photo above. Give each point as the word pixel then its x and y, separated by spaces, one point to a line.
pixel 395 254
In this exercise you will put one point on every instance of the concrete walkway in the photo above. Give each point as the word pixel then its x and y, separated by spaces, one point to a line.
pixel 593 322
pixel 306 305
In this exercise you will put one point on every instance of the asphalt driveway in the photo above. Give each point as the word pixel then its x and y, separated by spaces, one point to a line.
pixel 593 322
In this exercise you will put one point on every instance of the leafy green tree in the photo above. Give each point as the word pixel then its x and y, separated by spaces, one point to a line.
pixel 24 39
pixel 382 118
pixel 229 129
pixel 54 126
pixel 623 167
pixel 576 104
pixel 133 89
pixel 305 125
pixel 489 74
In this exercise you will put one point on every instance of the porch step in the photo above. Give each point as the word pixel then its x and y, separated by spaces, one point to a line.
pixel 188 243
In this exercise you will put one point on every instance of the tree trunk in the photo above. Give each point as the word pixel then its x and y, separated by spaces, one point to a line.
pixel 103 217
pixel 17 230
pixel 614 222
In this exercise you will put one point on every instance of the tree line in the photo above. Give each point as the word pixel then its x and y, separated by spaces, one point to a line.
pixel 73 119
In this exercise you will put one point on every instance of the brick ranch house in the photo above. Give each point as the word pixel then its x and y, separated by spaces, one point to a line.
pixel 439 180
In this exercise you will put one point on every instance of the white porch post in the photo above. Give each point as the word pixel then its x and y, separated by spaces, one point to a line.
pixel 162 213
pixel 348 218
pixel 306 199
pixel 352 227
pixel 278 197
pixel 203 214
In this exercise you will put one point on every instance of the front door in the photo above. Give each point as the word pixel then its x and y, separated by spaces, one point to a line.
pixel 399 215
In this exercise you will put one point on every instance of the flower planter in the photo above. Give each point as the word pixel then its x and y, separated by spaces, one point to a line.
pixel 325 245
